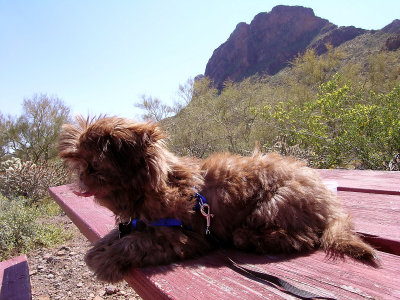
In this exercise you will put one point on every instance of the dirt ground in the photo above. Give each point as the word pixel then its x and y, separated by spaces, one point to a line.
pixel 61 273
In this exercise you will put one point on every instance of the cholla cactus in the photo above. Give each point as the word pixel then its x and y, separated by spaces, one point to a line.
pixel 30 180
pixel 11 163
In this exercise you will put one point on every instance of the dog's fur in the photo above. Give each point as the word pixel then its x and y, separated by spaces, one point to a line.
pixel 264 203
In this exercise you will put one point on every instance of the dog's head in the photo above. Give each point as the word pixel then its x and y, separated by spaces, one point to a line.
pixel 116 159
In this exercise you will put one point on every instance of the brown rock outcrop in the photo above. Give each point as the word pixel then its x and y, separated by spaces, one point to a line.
pixel 271 40
pixel 393 43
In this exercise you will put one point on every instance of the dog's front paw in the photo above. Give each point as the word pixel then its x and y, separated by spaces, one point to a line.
pixel 105 261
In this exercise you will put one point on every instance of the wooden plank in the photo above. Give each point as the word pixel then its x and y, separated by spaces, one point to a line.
pixel 377 217
pixel 93 220
pixel 14 278
pixel 366 181
pixel 208 278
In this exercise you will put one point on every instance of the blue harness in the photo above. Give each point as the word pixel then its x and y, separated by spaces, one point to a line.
pixel 139 225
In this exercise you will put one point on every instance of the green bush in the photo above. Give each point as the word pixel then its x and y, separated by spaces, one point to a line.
pixel 21 230
pixel 342 127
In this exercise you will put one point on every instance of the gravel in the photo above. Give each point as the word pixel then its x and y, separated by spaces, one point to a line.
pixel 60 272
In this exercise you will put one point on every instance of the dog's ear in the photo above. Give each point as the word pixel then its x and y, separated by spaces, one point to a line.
pixel 128 142
pixel 137 149
pixel 157 166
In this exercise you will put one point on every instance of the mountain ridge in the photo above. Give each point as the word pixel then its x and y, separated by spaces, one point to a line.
pixel 273 39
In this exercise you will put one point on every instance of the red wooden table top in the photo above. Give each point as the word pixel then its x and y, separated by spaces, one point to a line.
pixel 364 180
pixel 376 215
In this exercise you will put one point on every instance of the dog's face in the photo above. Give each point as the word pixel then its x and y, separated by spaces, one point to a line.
pixel 115 159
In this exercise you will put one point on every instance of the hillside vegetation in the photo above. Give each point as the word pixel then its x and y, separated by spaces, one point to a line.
pixel 337 110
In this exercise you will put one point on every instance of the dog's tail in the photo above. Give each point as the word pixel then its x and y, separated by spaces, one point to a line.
pixel 338 240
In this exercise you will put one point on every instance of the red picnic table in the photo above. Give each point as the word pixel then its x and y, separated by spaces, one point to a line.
pixel 371 197
pixel 14 279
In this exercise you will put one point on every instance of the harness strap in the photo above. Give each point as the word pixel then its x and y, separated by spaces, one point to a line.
pixel 200 201
pixel 139 225
pixel 165 222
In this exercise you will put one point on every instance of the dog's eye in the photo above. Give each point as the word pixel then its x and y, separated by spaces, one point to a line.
pixel 90 169
pixel 95 165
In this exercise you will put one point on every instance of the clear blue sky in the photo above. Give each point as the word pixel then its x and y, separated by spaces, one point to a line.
pixel 100 56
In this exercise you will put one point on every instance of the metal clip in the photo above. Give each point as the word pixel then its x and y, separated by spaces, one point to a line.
pixel 208 216
pixel 124 228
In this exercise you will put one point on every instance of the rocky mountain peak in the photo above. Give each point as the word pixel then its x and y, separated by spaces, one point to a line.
pixel 271 40
pixel 393 27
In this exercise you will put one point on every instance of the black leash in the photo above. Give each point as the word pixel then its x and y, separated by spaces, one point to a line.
pixel 263 277
pixel 272 280
pixel 260 276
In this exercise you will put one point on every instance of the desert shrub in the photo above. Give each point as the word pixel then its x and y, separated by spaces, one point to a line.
pixel 216 121
pixel 30 180
pixel 342 128
pixel 20 229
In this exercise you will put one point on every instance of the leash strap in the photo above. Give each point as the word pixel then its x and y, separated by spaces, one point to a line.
pixel 272 280
pixel 260 276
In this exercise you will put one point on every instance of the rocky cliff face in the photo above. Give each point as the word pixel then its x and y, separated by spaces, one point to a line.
pixel 271 40
pixel 393 42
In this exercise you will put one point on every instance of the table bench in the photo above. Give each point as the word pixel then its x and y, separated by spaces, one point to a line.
pixel 373 199
pixel 14 279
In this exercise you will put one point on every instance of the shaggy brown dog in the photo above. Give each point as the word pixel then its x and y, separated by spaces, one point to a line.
pixel 264 203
